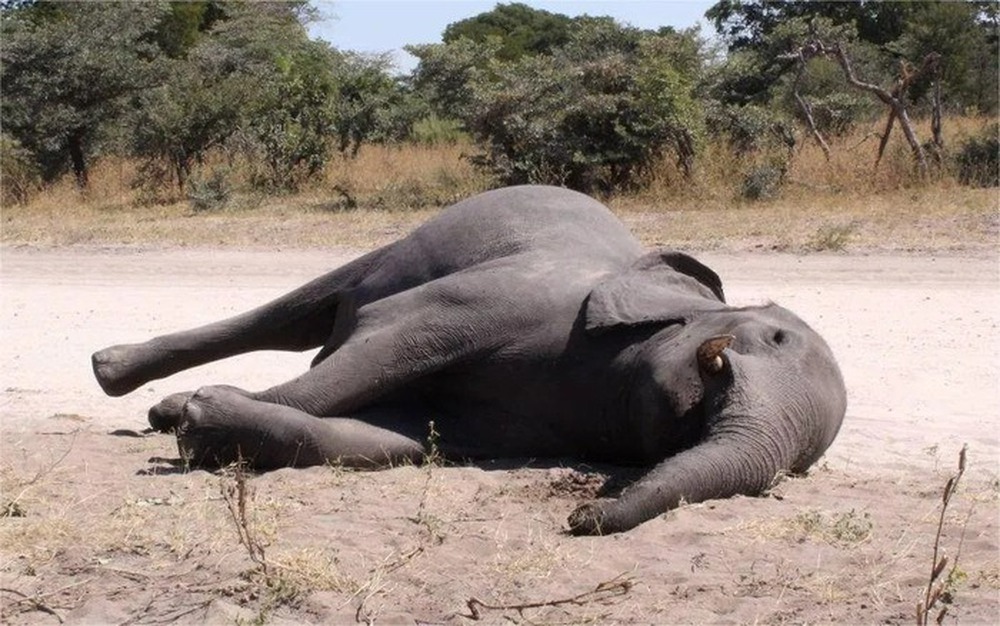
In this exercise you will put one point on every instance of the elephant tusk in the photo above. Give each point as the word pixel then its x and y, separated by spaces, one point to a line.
pixel 710 353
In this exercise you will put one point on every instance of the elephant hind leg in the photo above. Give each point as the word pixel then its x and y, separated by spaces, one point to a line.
pixel 219 426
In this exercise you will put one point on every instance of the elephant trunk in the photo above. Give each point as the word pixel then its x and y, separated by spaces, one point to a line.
pixel 731 461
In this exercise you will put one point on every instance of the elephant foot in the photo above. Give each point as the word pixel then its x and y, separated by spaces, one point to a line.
pixel 165 416
pixel 221 425
pixel 120 369
pixel 207 433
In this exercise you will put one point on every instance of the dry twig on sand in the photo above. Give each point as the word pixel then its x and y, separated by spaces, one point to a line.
pixel 35 603
pixel 617 586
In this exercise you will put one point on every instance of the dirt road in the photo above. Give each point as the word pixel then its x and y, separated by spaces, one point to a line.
pixel 96 531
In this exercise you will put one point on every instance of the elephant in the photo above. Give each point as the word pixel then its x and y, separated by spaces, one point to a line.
pixel 523 322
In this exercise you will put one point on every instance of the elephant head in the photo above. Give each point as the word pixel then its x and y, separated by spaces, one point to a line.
pixel 750 392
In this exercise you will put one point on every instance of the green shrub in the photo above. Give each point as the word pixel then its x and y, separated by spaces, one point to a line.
pixel 837 114
pixel 977 159
pixel 435 131
pixel 763 182
pixel 751 128
pixel 593 116
pixel 209 193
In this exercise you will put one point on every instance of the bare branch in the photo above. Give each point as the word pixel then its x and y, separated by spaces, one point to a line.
pixel 617 586
pixel 804 54
pixel 893 99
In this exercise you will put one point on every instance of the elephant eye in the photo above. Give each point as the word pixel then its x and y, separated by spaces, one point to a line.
pixel 779 337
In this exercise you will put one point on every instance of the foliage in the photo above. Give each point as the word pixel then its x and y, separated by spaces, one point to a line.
pixel 445 75
pixel 593 115
pixel 292 120
pixel 433 131
pixel 521 30
pixel 197 108
pixel 749 24
pixel 178 76
pixel 751 128
pixel 838 113
pixel 181 27
pixel 370 106
pixel 582 101
pixel 210 193
pixel 978 159
pixel 68 70
pixel 763 182
pixel 966 39
pixel 885 35
pixel 19 177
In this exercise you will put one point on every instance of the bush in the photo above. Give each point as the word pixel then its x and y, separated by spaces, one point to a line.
pixel 837 114
pixel 593 116
pixel 763 182
pixel 977 159
pixel 435 131
pixel 19 176
pixel 209 193
pixel 751 128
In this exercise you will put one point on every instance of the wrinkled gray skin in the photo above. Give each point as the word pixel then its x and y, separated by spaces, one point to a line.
pixel 525 322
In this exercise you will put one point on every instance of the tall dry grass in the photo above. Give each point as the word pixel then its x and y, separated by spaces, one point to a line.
pixel 849 173
pixel 385 190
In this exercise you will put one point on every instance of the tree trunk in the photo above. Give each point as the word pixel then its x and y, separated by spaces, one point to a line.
pixel 802 57
pixel 685 152
pixel 936 122
pixel 76 155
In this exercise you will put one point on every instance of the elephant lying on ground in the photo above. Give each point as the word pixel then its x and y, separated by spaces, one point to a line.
pixel 524 322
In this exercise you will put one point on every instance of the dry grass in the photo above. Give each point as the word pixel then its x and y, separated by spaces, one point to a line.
pixel 126 523
pixel 838 205
pixel 835 205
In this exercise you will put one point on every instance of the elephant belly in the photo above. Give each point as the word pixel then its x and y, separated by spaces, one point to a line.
pixel 510 410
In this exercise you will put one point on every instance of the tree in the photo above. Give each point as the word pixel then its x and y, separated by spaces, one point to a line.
pixel 960 32
pixel 886 33
pixel 594 114
pixel 196 109
pixel 284 130
pixel 370 104
pixel 446 73
pixel 287 127
pixel 181 27
pixel 749 24
pixel 521 30
pixel 68 70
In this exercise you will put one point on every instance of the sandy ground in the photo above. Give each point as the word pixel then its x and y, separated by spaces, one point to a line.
pixel 100 527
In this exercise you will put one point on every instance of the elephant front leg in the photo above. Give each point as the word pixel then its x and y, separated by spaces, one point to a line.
pixel 218 427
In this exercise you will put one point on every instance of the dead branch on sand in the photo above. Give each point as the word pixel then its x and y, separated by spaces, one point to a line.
pixel 617 586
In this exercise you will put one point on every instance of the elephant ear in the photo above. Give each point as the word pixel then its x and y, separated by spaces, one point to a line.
pixel 662 286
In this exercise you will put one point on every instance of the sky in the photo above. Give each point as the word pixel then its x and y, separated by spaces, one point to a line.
pixel 388 25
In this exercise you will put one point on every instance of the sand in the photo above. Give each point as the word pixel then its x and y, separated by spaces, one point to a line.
pixel 100 527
